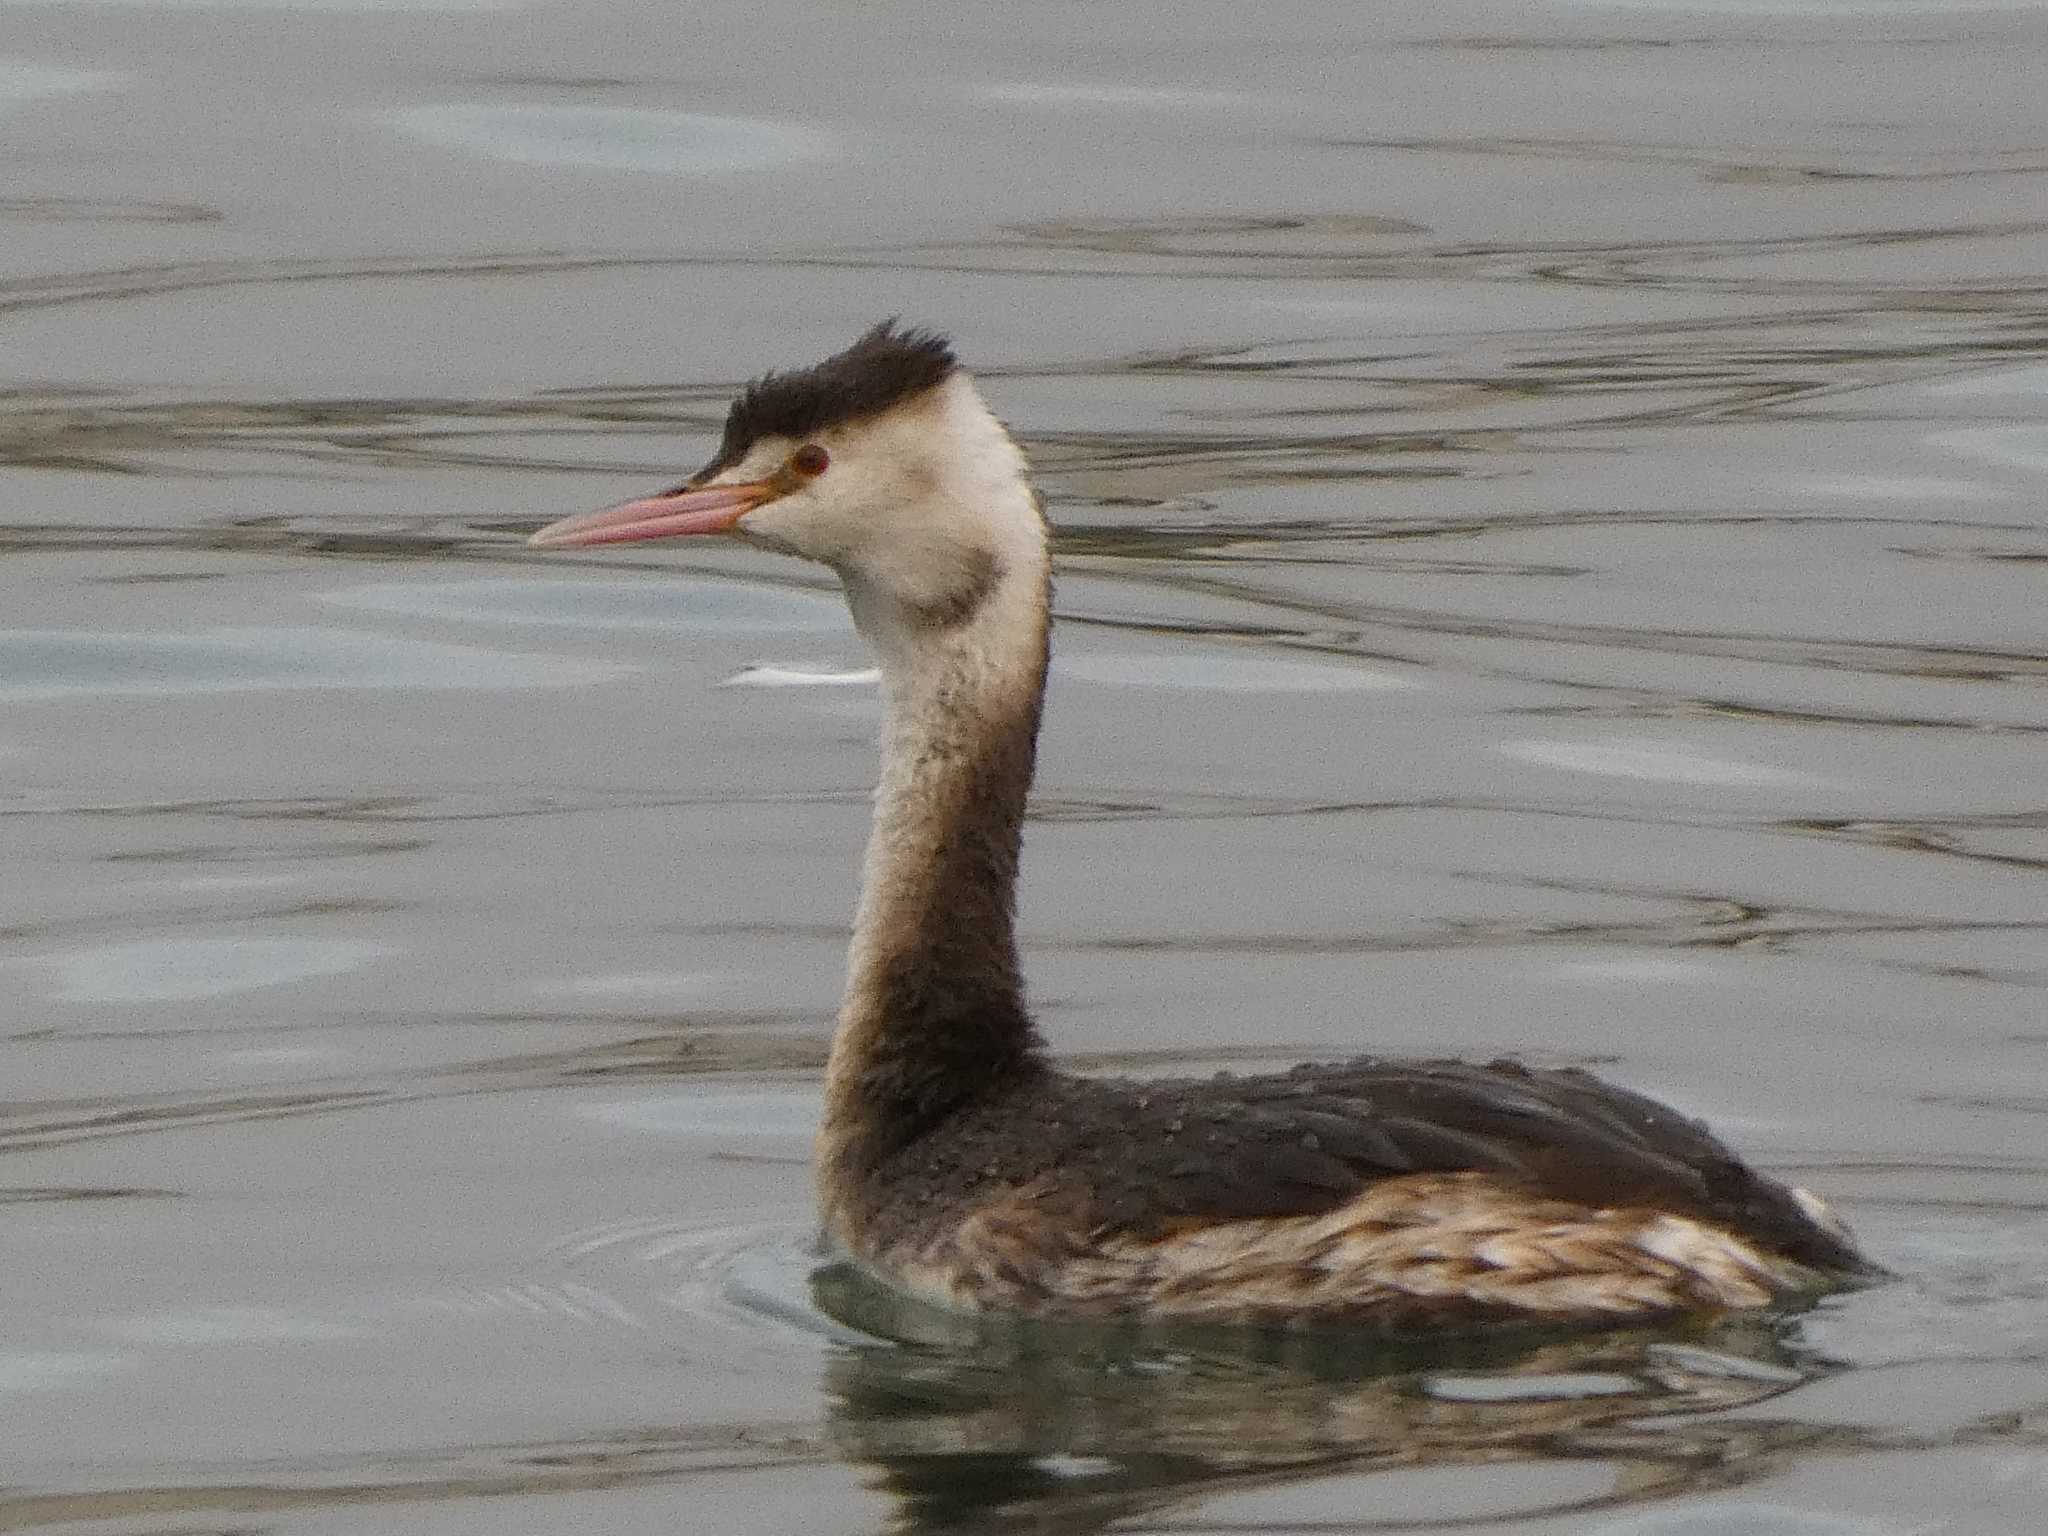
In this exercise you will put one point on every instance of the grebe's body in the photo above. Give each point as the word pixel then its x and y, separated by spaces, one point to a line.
pixel 957 1163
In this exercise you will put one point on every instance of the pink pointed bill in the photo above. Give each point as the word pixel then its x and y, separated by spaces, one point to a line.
pixel 700 509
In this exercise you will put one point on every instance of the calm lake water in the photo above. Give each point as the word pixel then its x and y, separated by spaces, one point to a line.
pixel 1553 532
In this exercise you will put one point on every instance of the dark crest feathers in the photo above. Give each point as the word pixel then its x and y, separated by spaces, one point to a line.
pixel 884 368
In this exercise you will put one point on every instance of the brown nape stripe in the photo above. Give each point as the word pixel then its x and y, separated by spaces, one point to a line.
pixel 884 368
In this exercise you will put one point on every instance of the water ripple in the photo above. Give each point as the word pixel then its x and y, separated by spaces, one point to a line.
pixel 48 664
pixel 616 138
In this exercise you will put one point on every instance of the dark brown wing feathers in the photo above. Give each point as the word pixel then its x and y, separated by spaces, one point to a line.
pixel 1149 1157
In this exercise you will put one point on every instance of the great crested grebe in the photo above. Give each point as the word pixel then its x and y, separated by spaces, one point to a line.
pixel 956 1163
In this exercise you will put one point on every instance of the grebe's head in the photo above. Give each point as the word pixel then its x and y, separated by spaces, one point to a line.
pixel 882 462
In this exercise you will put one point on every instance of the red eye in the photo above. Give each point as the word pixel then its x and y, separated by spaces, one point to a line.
pixel 810 460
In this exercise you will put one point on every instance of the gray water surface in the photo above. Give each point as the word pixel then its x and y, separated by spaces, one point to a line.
pixel 1553 560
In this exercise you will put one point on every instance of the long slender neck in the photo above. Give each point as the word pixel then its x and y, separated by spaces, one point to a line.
pixel 934 1013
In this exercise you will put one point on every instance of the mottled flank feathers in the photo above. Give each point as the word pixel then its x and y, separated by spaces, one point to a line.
pixel 1426 1251
pixel 884 368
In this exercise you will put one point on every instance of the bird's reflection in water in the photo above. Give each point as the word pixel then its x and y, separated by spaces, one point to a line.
pixel 1001 1425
